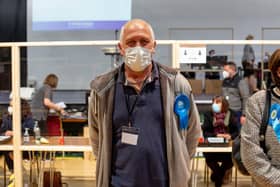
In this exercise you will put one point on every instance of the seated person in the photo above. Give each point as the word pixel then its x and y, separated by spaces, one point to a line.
pixel 7 127
pixel 219 122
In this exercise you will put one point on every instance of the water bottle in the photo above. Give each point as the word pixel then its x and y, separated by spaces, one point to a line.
pixel 26 138
pixel 37 133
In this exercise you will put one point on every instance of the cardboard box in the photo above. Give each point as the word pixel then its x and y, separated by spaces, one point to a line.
pixel 196 86
pixel 213 87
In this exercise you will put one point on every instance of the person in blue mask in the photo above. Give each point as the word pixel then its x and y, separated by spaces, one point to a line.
pixel 144 123
pixel 219 122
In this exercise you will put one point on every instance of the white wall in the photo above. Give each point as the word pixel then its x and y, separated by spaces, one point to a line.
pixel 77 66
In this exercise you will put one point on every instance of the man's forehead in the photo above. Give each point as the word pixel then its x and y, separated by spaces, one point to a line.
pixel 136 26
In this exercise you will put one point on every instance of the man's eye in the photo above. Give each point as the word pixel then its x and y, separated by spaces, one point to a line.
pixel 144 42
pixel 130 44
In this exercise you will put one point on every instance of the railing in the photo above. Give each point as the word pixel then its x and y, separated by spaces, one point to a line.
pixel 15 48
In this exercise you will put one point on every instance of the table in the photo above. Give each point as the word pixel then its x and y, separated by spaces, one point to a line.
pixel 74 126
pixel 7 145
pixel 194 169
pixel 71 144
pixel 71 125
pixel 38 153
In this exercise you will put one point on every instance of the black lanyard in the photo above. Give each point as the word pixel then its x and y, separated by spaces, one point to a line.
pixel 132 108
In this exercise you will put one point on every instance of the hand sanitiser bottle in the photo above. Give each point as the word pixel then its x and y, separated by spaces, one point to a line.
pixel 37 133
pixel 26 137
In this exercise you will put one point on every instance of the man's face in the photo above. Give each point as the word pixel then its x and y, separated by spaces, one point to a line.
pixel 137 34
pixel 229 70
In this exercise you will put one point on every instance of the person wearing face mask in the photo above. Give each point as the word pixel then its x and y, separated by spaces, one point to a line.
pixel 27 121
pixel 219 122
pixel 264 165
pixel 144 124
pixel 6 129
pixel 235 90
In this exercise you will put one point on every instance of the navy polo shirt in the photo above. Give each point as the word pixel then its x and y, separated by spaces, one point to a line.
pixel 144 164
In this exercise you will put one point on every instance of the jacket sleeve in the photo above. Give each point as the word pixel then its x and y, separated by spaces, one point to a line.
pixel 28 123
pixel 93 122
pixel 255 160
pixel 244 91
pixel 208 130
pixel 6 125
pixel 233 128
pixel 194 129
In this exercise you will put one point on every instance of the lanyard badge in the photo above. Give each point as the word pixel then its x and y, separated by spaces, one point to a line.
pixel 274 119
pixel 181 108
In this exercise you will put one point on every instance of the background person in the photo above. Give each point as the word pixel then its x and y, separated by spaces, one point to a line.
pixel 248 58
pixel 6 129
pixel 219 122
pixel 263 167
pixel 234 90
pixel 42 102
pixel 250 80
pixel 137 100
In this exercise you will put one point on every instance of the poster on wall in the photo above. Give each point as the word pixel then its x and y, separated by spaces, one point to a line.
pixel 192 54
pixel 53 15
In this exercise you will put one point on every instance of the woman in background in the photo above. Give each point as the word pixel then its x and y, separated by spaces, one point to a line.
pixel 7 130
pixel 42 102
pixel 219 122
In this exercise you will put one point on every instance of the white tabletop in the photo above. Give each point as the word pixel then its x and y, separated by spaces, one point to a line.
pixel 214 149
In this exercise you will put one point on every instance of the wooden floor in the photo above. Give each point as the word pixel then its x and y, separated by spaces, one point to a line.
pixel 78 172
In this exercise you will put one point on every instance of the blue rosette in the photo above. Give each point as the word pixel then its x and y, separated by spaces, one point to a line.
pixel 274 119
pixel 181 109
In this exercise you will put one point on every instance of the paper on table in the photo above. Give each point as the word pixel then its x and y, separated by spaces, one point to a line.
pixel 60 104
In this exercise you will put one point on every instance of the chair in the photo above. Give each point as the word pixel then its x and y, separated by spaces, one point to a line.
pixel 228 175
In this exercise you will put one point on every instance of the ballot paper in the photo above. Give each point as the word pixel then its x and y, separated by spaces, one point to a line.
pixel 60 104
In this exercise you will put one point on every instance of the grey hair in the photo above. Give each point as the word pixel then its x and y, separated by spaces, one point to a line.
pixel 149 27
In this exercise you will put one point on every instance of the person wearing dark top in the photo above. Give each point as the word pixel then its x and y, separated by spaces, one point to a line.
pixel 42 102
pixel 219 122
pixel 6 129
pixel 248 58
pixel 135 132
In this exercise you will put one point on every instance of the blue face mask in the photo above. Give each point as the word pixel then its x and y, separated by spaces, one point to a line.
pixel 216 108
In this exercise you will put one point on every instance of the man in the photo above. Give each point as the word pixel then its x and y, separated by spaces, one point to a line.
pixel 235 90
pixel 136 136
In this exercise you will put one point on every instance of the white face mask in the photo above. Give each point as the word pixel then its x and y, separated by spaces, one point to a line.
pixel 225 74
pixel 137 58
pixel 10 110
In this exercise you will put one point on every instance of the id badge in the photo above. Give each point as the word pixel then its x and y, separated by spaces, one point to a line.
pixel 130 135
